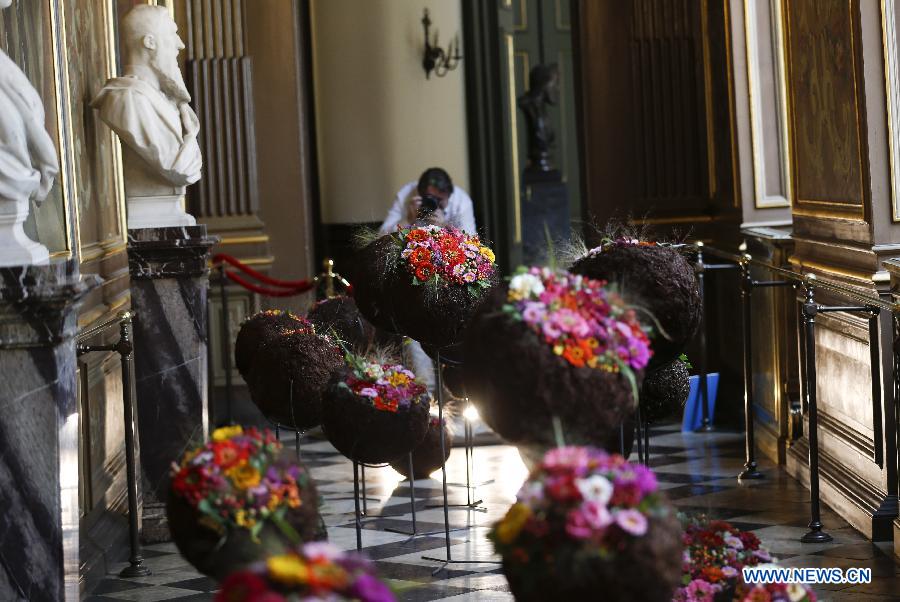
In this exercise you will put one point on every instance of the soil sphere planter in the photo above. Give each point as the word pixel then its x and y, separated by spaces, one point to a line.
pixel 366 434
pixel 520 384
pixel 290 375
pixel 259 328
pixel 426 457
pixel 657 278
pixel 588 525
pixel 239 498
pixel 390 296
pixel 340 315
pixel 646 569
pixel 665 391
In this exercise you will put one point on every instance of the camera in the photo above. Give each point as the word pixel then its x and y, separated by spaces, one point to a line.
pixel 428 205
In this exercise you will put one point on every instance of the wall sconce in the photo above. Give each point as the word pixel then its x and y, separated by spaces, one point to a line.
pixel 435 58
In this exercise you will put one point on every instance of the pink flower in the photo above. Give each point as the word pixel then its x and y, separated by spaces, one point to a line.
pixel 569 321
pixel 631 521
pixel 533 312
pixel 596 515
pixel 577 525
pixel 567 458
pixel 369 392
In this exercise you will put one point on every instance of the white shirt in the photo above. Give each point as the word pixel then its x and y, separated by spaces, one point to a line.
pixel 459 211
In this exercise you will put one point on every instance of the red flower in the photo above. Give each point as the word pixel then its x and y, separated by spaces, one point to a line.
pixel 227 453
pixel 424 272
pixel 417 235
pixel 420 256
pixel 242 586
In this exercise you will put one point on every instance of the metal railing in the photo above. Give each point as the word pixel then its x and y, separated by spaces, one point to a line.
pixel 880 313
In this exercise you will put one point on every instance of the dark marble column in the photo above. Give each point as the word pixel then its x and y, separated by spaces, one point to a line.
pixel 169 284
pixel 39 432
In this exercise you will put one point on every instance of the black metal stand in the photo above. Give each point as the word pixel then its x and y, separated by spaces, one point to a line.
pixel 125 348
pixel 449 558
pixel 701 268
pixel 356 504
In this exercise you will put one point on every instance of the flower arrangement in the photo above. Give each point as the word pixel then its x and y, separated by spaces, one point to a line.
pixel 715 553
pixel 388 387
pixel 375 412
pixel 622 241
pixel 580 319
pixel 233 480
pixel 655 276
pixel 435 254
pixel 314 571
pixel 238 498
pixel 582 522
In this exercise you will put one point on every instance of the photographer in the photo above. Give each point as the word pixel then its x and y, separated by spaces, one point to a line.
pixel 434 200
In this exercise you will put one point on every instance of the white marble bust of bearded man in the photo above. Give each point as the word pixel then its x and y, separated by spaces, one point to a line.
pixel 148 108
pixel 28 162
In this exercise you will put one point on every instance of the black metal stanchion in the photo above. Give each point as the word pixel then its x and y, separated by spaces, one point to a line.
pixel 705 425
pixel 412 491
pixel 226 342
pixel 810 309
pixel 365 492
pixel 125 348
pixel 639 435
pixel 356 506
pixel 750 471
pixel 297 438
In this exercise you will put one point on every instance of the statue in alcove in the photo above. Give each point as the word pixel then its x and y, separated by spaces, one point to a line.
pixel 28 162
pixel 148 107
pixel 543 92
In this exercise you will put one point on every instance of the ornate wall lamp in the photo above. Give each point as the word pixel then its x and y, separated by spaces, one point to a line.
pixel 435 58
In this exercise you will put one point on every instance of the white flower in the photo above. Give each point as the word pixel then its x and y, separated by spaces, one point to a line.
pixel 531 493
pixel 526 285
pixel 796 592
pixel 595 488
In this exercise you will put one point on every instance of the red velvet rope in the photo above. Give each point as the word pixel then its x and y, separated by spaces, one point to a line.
pixel 292 287
pixel 221 257
pixel 307 286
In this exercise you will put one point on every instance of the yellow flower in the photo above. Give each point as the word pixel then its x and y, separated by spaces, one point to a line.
pixel 508 528
pixel 487 254
pixel 558 349
pixel 244 476
pixel 398 379
pixel 227 432
pixel 243 521
pixel 288 569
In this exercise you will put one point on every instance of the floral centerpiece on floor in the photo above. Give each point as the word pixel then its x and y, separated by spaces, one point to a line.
pixel 652 275
pixel 237 498
pixel 587 522
pixel 555 345
pixel 314 571
pixel 423 281
pixel 375 411
pixel 715 553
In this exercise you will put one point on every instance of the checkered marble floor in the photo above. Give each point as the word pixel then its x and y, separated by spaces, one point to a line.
pixel 696 470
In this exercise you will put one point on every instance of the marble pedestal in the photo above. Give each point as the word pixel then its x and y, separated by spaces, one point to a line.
pixel 169 285
pixel 39 432
pixel 545 213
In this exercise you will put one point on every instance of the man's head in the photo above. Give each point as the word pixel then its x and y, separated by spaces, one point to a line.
pixel 150 37
pixel 5 4
pixel 436 182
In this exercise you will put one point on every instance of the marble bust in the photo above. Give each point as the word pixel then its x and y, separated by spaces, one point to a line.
pixel 543 92
pixel 28 162
pixel 148 108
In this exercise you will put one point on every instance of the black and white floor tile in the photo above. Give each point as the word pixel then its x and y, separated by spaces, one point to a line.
pixel 697 470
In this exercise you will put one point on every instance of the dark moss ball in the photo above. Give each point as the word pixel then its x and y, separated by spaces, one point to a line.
pixel 521 384
pixel 217 551
pixel 290 375
pixel 367 434
pixel 646 568
pixel 427 456
pixel 256 330
pixel 665 391
pixel 340 316
pixel 660 281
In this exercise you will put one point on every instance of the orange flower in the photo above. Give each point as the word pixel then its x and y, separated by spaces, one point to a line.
pixel 228 454
pixel 417 235
pixel 420 255
pixel 574 355
pixel 424 272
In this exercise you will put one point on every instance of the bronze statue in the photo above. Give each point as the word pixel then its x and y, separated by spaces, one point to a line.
pixel 543 91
